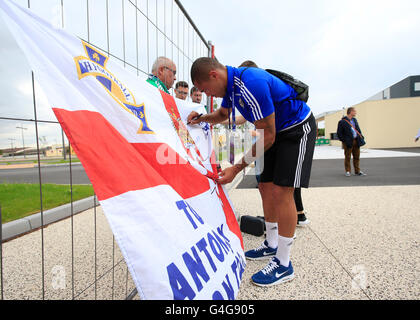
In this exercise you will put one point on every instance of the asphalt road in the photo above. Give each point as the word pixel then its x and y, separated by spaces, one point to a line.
pixel 49 174
pixel 380 172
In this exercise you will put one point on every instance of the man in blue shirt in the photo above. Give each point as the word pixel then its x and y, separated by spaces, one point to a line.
pixel 289 133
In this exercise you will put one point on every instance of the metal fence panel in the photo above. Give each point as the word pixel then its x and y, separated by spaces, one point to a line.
pixel 76 258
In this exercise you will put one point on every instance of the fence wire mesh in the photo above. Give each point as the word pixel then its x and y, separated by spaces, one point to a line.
pixel 77 257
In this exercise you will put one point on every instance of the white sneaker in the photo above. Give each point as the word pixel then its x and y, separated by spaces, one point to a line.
pixel 273 273
pixel 348 174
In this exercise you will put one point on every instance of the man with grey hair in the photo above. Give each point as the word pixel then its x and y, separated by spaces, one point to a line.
pixel 163 74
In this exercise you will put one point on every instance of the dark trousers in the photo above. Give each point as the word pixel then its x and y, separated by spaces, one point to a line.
pixel 298 200
pixel 355 151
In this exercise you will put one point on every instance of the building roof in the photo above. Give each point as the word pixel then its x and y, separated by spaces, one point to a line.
pixel 406 88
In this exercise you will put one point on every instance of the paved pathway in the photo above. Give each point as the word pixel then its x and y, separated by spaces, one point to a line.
pixel 362 243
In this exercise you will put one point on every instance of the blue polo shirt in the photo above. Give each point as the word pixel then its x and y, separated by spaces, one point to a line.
pixel 257 94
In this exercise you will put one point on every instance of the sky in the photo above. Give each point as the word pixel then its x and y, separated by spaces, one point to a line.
pixel 345 50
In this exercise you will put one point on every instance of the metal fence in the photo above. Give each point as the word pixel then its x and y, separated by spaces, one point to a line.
pixel 76 258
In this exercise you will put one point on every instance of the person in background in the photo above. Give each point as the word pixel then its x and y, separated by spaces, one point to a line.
pixel 196 95
pixel 181 90
pixel 349 133
pixel 163 74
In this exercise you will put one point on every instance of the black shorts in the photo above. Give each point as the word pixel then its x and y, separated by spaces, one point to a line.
pixel 288 162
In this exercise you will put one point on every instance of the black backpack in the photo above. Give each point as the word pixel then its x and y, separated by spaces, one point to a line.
pixel 301 88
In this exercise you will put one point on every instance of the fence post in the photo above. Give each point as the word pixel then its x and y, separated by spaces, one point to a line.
pixel 40 186
pixel 211 55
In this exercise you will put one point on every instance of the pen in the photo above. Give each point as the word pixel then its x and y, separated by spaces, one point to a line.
pixel 195 118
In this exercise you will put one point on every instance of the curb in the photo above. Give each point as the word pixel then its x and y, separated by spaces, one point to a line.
pixel 35 165
pixel 30 223
pixel 58 164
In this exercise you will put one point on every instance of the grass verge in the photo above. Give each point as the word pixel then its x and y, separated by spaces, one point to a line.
pixel 20 200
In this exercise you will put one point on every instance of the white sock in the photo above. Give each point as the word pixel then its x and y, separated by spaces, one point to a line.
pixel 271 234
pixel 283 250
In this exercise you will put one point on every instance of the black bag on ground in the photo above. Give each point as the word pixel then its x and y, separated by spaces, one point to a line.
pixel 252 225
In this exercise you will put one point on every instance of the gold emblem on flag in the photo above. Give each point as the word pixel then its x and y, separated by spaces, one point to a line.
pixel 94 64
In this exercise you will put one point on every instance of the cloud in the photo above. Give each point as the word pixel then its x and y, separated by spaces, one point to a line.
pixel 346 50
pixel 366 47
pixel 358 32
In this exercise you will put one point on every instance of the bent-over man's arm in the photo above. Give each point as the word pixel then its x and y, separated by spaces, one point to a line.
pixel 267 124
pixel 213 118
